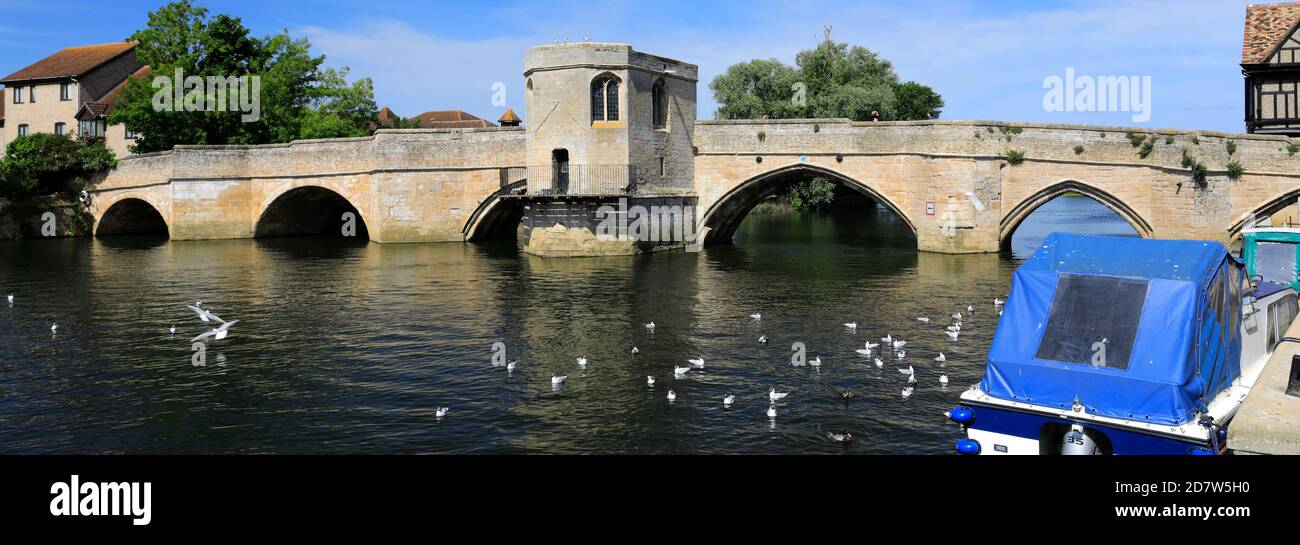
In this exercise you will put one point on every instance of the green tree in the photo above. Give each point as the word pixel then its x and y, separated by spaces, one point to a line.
pixel 757 89
pixel 297 98
pixel 916 101
pixel 46 163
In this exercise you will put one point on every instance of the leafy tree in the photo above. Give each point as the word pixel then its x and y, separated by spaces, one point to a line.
pixel 813 194
pixel 45 163
pixel 757 89
pixel 915 101
pixel 298 98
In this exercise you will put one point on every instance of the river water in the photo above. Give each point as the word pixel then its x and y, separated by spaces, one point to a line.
pixel 349 348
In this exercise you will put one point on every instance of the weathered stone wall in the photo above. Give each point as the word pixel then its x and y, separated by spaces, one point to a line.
pixel 909 165
pixel 408 185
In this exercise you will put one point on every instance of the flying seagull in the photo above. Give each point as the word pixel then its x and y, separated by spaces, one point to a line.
pixel 219 333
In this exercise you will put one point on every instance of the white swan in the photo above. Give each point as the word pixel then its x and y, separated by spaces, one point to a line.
pixel 727 401
pixel 774 395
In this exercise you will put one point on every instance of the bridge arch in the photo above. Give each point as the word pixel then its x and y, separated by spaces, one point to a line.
pixel 725 215
pixel 497 217
pixel 1017 215
pixel 308 210
pixel 1266 209
pixel 131 216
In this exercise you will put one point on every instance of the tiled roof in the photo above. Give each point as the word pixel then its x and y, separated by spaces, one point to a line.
pixel 1266 26
pixel 450 119
pixel 104 105
pixel 71 62
pixel 509 117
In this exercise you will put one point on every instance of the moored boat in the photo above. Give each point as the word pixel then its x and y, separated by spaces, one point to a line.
pixel 1113 345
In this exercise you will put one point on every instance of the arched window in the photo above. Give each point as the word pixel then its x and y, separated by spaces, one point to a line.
pixel 604 98
pixel 660 106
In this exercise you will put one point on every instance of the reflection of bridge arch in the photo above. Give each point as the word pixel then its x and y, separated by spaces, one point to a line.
pixel 1012 220
pixel 131 215
pixel 726 214
pixel 307 210
pixel 497 217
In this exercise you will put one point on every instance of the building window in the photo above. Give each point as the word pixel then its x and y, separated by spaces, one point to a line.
pixel 22 130
pixel 131 135
pixel 60 128
pixel 604 98
pixel 660 107
pixel 31 94
pixel 93 128
pixel 663 167
pixel 65 91
pixel 18 95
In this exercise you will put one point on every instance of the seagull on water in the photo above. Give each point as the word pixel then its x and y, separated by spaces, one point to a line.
pixel 511 366
pixel 909 371
pixel 952 334
pixel 771 411
pixel 899 343
pixel 851 325
pixel 845 437
pixel 698 362
pixel 756 316
pixel 864 351
pixel 924 319
pixel 941 358
pixel 635 351
pixel 907 392
pixel 681 371
pixel 815 362
pixel 727 401
pixel 902 354
pixel 970 308
pixel 11 298
pixel 173 329
pixel 672 396
pixel 762 339
pixel 441 412
pixel 954 327
pixel 217 334
pixel 204 314
pixel 957 316
pixel 998 302
pixel 879 364
pixel 650 381
pixel 911 379
pixel 847 395
pixel 54 328
pixel 774 395
pixel 650 326
pixel 582 362
pixel 887 339
pixel 872 346
pixel 943 379
pixel 557 379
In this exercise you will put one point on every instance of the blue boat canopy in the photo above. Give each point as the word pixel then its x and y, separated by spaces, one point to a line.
pixel 1133 328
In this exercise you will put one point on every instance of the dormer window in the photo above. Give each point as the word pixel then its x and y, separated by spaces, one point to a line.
pixel 604 98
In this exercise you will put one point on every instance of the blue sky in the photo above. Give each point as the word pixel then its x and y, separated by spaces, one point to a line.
pixel 988 59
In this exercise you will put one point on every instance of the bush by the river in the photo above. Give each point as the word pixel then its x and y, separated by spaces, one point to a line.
pixel 47 164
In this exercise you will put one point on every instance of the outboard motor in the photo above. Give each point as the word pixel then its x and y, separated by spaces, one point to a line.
pixel 1077 443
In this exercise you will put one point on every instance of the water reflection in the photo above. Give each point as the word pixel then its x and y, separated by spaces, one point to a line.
pixel 351 347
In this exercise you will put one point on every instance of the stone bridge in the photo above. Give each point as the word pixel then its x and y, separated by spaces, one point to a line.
pixel 962 186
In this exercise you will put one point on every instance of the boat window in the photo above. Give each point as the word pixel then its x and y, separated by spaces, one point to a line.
pixel 1275 262
pixel 1094 320
pixel 1280 315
